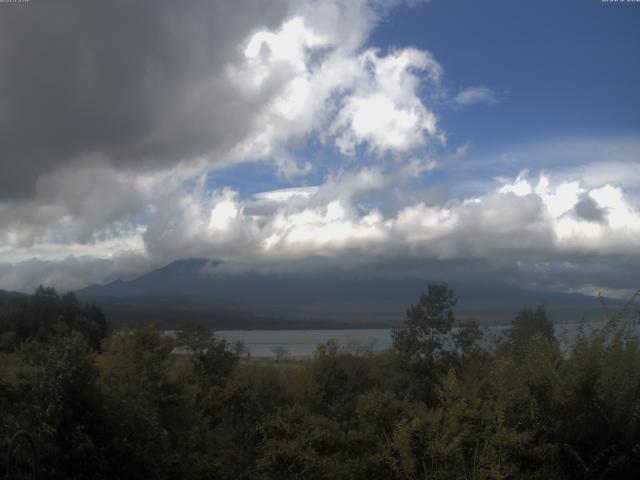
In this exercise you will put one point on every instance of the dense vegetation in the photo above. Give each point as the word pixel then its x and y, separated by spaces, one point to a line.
pixel 440 404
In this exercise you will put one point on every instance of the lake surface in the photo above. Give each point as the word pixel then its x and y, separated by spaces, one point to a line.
pixel 302 343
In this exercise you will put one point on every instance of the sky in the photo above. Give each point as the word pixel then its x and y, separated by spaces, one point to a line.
pixel 482 140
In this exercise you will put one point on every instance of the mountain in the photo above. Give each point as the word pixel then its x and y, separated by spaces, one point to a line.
pixel 9 295
pixel 199 277
pixel 198 290
pixel 184 276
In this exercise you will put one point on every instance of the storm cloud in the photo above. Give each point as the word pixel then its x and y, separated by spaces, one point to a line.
pixel 137 84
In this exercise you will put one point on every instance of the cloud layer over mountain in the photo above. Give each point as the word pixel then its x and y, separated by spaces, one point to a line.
pixel 116 116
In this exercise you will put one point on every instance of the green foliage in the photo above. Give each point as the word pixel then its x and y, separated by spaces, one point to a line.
pixel 530 324
pixel 212 357
pixel 251 394
pixel 437 405
pixel 299 444
pixel 427 344
pixel 44 314
pixel 427 322
pixel 467 338
pixel 333 379
pixel 141 400
pixel 61 405
pixel 598 404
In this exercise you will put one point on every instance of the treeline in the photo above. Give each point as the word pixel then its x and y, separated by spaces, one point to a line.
pixel 39 316
pixel 440 404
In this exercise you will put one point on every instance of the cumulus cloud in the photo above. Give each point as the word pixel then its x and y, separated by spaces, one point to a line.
pixel 181 90
pixel 525 220
pixel 328 87
pixel 536 228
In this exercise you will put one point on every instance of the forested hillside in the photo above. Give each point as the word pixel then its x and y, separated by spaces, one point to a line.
pixel 436 405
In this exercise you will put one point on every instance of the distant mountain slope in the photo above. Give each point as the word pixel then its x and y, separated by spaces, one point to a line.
pixel 191 277
pixel 171 310
pixel 9 295
pixel 187 290
pixel 183 276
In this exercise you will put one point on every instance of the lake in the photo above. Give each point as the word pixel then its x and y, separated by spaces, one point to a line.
pixel 302 343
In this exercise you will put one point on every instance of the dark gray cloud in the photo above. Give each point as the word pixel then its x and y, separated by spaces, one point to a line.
pixel 588 209
pixel 131 80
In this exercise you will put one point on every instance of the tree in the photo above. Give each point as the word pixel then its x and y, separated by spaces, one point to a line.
pixel 333 379
pixel 467 338
pixel 426 324
pixel 280 351
pixel 423 344
pixel 212 356
pixel 529 324
pixel 140 400
pixel 64 406
pixel 300 444
pixel 253 392
pixel 45 314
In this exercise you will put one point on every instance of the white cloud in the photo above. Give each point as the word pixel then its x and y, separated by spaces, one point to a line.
pixel 525 222
pixel 523 217
pixel 309 75
pixel 475 95
pixel 285 194
pixel 321 81
pixel 520 186
pixel 384 109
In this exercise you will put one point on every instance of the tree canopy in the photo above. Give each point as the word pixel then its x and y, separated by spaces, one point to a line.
pixel 439 404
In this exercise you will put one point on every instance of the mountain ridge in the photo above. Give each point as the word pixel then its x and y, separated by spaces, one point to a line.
pixel 192 286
